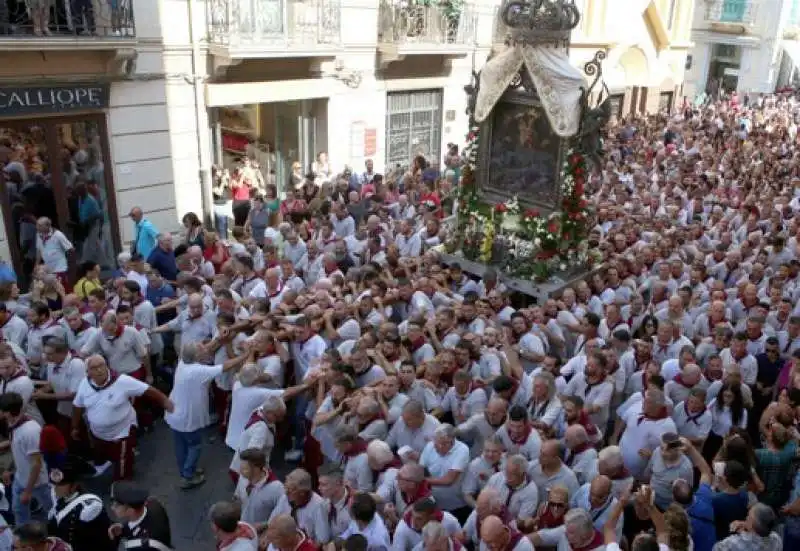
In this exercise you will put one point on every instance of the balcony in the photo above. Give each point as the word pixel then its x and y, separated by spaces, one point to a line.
pixel 66 25
pixel 425 28
pixel 736 13
pixel 249 29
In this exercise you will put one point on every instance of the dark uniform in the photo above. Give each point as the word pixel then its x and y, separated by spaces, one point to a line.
pixel 152 532
pixel 79 519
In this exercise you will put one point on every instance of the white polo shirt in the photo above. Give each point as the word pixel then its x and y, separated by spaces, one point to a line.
pixel 21 384
pixel 53 251
pixel 530 449
pixel 406 538
pixel 641 433
pixel 244 401
pixel 190 396
pixel 522 501
pixel 109 412
pixel 77 340
pixel 259 436
pixel 307 354
pixel 464 407
pixel 24 444
pixel 691 426
pixel 15 330
pixel 199 329
pixel 416 439
pixel 748 366
pixel 66 377
pixel 124 352
pixel 456 459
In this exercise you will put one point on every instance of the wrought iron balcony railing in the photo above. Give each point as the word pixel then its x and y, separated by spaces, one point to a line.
pixel 731 11
pixel 58 19
pixel 276 24
pixel 439 23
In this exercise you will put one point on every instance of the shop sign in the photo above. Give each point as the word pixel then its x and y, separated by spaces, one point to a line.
pixel 37 100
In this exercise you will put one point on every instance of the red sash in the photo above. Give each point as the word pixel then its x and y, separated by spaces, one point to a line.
pixel 514 539
pixel 356 448
pixel 423 491
pixel 243 530
pixel 395 463
pixel 692 417
pixel 597 541
pixel 520 440
pixel 112 378
pixel 679 379
pixel 662 414
pixel 255 417
pixel 437 516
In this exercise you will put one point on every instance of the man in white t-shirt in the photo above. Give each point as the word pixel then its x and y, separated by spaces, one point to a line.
pixel 105 397
pixel 643 432
pixel 52 248
pixel 191 415
pixel 65 373
pixel 307 350
pixel 31 498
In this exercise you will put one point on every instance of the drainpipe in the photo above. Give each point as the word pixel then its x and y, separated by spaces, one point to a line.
pixel 200 117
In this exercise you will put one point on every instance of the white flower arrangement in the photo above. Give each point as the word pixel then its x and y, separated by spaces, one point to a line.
pixel 512 206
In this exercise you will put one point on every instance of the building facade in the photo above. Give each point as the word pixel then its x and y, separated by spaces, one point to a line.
pixel 646 44
pixel 140 108
pixel 750 46
pixel 141 103
pixel 85 98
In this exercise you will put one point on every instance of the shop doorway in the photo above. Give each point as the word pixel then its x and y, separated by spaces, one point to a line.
pixel 47 164
pixel 279 136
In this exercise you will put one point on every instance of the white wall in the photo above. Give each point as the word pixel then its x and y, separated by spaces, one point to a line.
pixel 760 47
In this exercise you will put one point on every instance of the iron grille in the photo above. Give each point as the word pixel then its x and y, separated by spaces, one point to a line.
pixel 413 126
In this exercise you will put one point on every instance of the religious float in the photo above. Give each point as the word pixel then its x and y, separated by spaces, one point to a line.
pixel 535 132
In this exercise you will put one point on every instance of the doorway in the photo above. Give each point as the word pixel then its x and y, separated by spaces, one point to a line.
pixel 53 168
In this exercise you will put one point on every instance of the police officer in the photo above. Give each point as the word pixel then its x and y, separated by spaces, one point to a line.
pixel 78 518
pixel 144 522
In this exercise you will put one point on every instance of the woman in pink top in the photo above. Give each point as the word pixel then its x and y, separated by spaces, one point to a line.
pixel 240 188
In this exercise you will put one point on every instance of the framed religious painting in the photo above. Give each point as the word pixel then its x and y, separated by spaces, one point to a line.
pixel 519 154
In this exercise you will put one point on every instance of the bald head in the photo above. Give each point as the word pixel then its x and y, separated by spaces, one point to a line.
pixel 575 436
pixel 599 490
pixel 493 531
pixel 283 525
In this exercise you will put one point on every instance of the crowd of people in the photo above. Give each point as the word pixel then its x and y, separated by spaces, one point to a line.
pixel 651 406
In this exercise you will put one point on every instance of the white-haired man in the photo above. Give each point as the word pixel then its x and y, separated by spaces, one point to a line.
pixel 105 398
pixel 577 532
pixel 446 460
pixel 520 493
pixel 259 431
pixel 52 248
pixel 191 415
pixel 383 464
pixel 305 505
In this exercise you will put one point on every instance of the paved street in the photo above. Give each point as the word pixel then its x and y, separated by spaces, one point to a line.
pixel 188 509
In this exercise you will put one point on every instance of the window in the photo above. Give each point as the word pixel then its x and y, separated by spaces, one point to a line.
pixel 413 126
pixel 665 102
pixel 616 101
pixel 729 51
